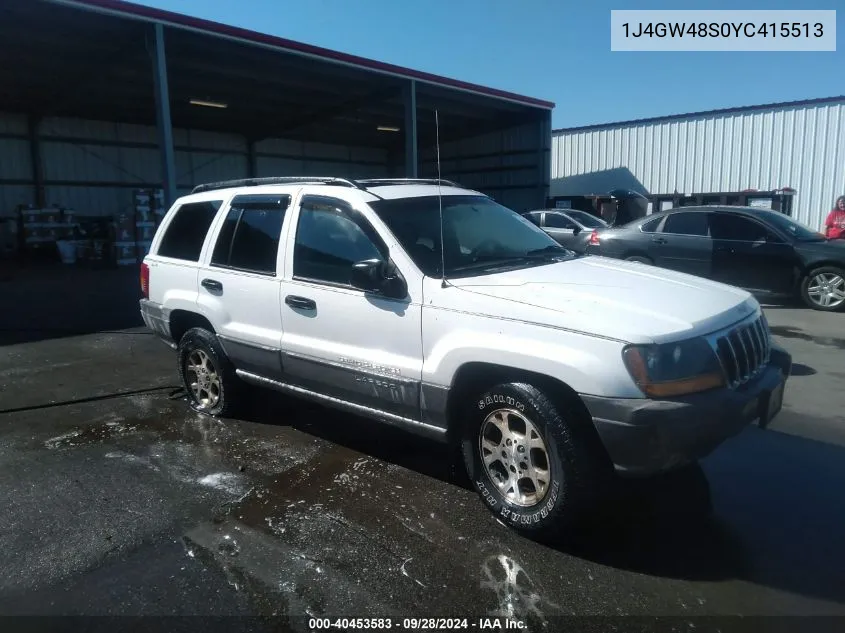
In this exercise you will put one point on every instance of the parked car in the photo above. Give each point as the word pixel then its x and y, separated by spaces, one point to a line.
pixel 549 370
pixel 762 251
pixel 570 228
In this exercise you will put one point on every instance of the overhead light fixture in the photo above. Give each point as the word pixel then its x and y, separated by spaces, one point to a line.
pixel 208 104
pixel 387 128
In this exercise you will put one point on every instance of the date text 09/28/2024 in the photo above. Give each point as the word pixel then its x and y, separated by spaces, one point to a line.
pixel 415 624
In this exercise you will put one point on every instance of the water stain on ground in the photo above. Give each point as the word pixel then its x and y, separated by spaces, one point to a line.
pixel 319 518
pixel 791 332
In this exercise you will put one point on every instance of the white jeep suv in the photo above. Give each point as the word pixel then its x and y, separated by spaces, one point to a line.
pixel 432 307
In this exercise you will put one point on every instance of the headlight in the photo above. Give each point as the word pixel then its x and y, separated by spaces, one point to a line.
pixel 674 369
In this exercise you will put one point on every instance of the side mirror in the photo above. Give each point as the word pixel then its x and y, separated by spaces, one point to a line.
pixel 576 230
pixel 377 276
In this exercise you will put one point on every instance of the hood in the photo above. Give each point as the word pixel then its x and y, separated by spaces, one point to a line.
pixel 623 300
pixel 834 248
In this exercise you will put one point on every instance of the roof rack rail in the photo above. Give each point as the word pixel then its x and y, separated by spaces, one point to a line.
pixel 377 182
pixel 275 180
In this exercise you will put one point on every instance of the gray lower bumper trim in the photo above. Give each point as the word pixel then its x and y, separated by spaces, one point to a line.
pixel 414 426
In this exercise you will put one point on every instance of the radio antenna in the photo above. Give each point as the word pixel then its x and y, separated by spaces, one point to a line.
pixel 440 201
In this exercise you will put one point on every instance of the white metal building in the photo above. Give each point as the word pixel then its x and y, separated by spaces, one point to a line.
pixel 797 144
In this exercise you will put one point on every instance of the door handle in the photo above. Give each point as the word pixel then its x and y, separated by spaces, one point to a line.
pixel 725 249
pixel 212 284
pixel 303 303
pixel 658 240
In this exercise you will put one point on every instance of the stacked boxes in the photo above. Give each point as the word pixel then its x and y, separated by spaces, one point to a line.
pixel 44 229
pixel 149 211
pixel 124 239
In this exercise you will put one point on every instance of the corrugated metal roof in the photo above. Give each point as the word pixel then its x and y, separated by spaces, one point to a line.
pixel 705 113
pixel 799 146
pixel 136 11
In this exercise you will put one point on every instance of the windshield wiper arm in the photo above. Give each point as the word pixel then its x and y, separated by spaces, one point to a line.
pixel 552 249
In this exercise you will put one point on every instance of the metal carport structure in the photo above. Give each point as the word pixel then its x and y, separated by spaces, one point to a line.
pixel 99 97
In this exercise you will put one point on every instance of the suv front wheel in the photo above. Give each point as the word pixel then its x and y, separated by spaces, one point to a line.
pixel 530 464
pixel 207 375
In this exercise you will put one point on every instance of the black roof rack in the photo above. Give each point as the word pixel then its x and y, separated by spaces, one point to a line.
pixel 321 180
pixel 275 180
pixel 380 182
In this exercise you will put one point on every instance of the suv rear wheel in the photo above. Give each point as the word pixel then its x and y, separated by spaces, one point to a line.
pixel 531 466
pixel 207 375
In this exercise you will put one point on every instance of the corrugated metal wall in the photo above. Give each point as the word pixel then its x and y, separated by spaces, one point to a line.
pixel 93 166
pixel 15 162
pixel 802 147
pixel 511 165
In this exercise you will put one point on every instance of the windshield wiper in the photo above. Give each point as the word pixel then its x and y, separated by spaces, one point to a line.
pixel 551 249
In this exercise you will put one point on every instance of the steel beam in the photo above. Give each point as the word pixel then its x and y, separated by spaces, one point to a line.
pixel 163 122
pixel 411 153
pixel 35 160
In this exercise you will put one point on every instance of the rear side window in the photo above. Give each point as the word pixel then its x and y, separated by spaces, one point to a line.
pixel 533 217
pixel 651 225
pixel 249 237
pixel 186 231
pixel 687 224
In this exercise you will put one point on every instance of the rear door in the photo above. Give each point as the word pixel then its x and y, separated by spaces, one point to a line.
pixel 684 244
pixel 240 282
pixel 750 255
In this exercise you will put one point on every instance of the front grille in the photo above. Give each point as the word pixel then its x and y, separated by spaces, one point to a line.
pixel 744 351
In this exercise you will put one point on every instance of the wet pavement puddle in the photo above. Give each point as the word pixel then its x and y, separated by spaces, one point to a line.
pixel 318 515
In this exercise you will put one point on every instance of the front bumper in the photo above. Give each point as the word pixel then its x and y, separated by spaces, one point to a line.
pixel 157 318
pixel 644 436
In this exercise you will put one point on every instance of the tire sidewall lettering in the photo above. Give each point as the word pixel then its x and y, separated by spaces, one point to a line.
pixel 499 399
pixel 486 494
pixel 492 498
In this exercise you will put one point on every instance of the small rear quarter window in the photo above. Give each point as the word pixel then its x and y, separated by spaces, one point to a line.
pixel 185 234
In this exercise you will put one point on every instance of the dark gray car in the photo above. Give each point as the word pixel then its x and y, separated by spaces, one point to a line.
pixel 568 227
pixel 760 250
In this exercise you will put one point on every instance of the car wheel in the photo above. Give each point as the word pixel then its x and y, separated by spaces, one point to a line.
pixel 528 461
pixel 824 289
pixel 640 259
pixel 207 374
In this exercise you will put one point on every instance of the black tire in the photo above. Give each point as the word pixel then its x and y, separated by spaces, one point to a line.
pixel 805 287
pixel 574 465
pixel 640 259
pixel 200 340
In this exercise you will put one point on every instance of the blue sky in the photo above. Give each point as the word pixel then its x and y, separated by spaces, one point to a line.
pixel 557 50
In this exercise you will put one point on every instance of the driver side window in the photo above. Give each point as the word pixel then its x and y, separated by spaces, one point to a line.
pixel 330 238
pixel 558 221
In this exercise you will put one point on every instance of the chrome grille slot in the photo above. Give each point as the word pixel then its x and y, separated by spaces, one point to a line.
pixel 743 352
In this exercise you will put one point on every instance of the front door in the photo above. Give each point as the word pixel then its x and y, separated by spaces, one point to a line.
pixel 748 254
pixel 239 282
pixel 683 244
pixel 560 228
pixel 338 340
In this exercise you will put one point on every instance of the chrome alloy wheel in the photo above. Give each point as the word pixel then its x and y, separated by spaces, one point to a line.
pixel 203 379
pixel 515 457
pixel 827 290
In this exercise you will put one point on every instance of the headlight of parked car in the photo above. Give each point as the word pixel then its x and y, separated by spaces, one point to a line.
pixel 674 369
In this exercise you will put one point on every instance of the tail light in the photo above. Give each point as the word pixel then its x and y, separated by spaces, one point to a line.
pixel 594 238
pixel 145 281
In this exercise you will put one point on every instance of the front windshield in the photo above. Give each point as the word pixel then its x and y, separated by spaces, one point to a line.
pixel 480 235
pixel 587 220
pixel 792 228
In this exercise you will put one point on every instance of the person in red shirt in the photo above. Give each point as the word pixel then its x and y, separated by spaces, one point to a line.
pixel 835 224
